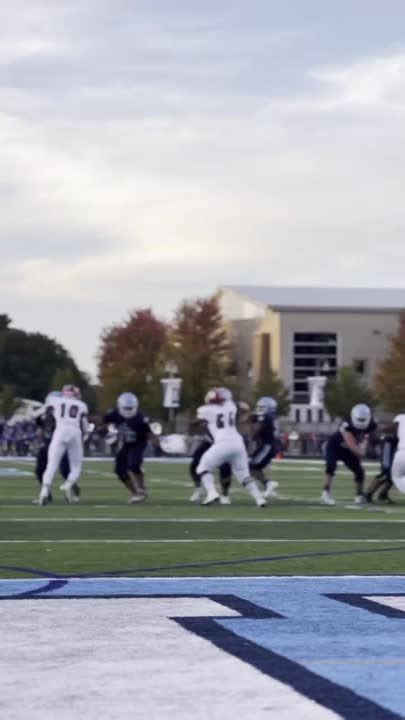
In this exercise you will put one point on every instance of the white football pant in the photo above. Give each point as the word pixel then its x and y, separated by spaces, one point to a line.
pixel 67 440
pixel 230 451
pixel 398 470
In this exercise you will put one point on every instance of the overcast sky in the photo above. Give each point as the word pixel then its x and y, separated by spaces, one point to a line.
pixel 155 149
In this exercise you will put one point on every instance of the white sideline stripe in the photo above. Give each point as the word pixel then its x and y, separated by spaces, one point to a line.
pixel 274 521
pixel 186 579
pixel 130 541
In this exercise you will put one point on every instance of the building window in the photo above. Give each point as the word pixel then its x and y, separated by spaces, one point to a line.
pixel 297 415
pixel 313 354
pixel 309 415
pixel 320 415
pixel 360 366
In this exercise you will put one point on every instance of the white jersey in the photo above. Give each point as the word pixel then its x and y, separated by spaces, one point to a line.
pixel 68 412
pixel 220 419
pixel 400 419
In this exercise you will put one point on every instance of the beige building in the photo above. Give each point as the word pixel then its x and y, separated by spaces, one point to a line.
pixel 304 331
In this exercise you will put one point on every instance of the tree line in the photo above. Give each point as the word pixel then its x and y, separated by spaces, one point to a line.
pixel 138 352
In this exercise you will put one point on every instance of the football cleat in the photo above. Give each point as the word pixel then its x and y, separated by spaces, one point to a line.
pixel 225 500
pixel 327 499
pixel 271 489
pixel 67 491
pixel 261 502
pixel 212 497
pixel 196 496
pixel 43 496
pixel 138 498
pixel 360 500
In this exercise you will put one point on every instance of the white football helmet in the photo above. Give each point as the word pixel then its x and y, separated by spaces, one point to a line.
pixel 265 406
pixel 360 416
pixel 71 391
pixel 128 405
pixel 217 396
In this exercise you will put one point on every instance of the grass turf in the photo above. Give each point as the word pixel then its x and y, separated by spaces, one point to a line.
pixel 170 536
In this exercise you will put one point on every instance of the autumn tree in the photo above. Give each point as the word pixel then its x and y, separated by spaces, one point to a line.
pixel 271 385
pixel 390 378
pixel 199 348
pixel 345 391
pixel 131 358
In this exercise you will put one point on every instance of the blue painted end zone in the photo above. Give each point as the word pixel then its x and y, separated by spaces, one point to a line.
pixel 319 634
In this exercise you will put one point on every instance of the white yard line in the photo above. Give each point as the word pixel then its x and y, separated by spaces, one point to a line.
pixel 274 521
pixel 130 541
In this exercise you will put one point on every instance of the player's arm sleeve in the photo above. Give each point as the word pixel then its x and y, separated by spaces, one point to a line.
pixel 202 413
pixel 84 420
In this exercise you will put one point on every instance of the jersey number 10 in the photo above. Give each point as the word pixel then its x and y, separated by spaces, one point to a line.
pixel 73 411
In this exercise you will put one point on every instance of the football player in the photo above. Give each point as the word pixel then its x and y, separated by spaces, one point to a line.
pixel 133 434
pixel 220 414
pixel 382 483
pixel 398 465
pixel 348 445
pixel 45 429
pixel 225 475
pixel 264 443
pixel 70 415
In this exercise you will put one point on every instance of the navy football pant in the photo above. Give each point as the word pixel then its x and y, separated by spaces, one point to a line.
pixel 347 457
pixel 128 458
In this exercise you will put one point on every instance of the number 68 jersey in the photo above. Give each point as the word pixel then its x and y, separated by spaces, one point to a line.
pixel 69 413
pixel 220 419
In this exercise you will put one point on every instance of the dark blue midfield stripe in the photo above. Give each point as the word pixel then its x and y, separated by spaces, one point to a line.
pixel 140 572
pixel 365 604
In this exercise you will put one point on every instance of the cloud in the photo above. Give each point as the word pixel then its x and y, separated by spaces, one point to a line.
pixel 373 82
pixel 161 155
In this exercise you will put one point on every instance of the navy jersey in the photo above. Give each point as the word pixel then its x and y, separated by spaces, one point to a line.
pixel 389 444
pixel 264 432
pixel 337 438
pixel 47 423
pixel 131 431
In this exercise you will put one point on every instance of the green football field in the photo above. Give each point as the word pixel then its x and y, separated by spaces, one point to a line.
pixel 169 536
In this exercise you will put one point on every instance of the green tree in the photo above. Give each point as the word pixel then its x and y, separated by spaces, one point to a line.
pixel 348 389
pixel 63 377
pixel 272 386
pixel 29 361
pixel 199 348
pixel 390 378
pixel 8 401
pixel 5 322
pixel 131 358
